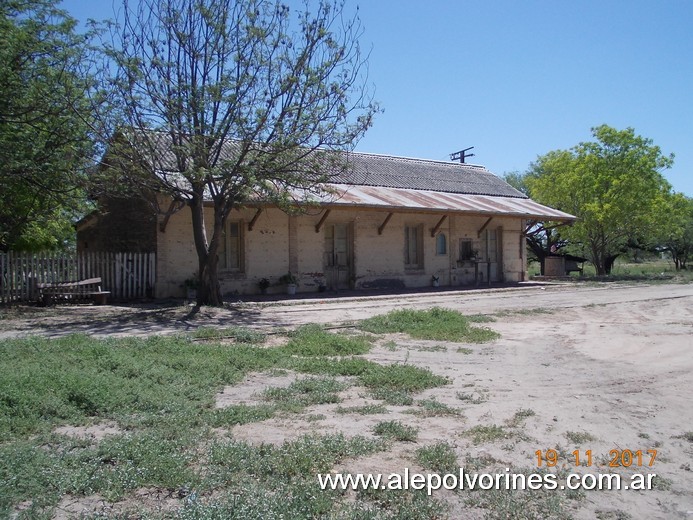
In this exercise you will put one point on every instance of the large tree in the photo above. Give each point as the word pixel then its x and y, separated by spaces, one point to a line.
pixel 675 228
pixel 226 100
pixel 612 184
pixel 44 136
pixel 543 237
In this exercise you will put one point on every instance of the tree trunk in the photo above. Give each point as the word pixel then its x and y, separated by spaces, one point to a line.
pixel 208 290
pixel 599 262
pixel 609 263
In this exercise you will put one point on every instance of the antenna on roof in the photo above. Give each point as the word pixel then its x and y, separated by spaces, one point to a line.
pixel 461 155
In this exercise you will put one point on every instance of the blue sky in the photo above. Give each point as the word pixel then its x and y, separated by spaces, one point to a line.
pixel 516 79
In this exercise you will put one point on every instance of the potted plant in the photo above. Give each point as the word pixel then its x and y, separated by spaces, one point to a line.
pixel 290 281
pixel 191 284
pixel 263 284
pixel 435 281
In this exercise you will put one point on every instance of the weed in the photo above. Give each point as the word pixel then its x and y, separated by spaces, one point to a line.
pixel 369 409
pixel 238 334
pixel 520 503
pixel 464 350
pixel 391 503
pixel 241 414
pixel 313 340
pixel 392 397
pixel 330 366
pixel 434 324
pixel 405 378
pixel 661 483
pixel 298 459
pixel 395 430
pixel 519 417
pixel 580 437
pixel 395 384
pixel 390 345
pixel 45 383
pixel 483 434
pixel 433 408
pixel 305 392
pixel 439 457
pixel 472 398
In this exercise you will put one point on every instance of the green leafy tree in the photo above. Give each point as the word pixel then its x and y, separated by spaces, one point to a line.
pixel 44 137
pixel 612 184
pixel 543 237
pixel 675 228
pixel 195 76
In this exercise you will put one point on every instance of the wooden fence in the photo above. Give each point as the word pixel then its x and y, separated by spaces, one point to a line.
pixel 129 276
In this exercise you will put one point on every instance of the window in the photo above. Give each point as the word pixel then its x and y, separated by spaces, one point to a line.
pixel 441 244
pixel 232 253
pixel 413 250
pixel 466 251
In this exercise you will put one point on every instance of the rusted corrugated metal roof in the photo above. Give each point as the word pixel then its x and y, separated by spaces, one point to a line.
pixel 426 200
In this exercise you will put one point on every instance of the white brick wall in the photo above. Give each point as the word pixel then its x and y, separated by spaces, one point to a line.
pixel 377 258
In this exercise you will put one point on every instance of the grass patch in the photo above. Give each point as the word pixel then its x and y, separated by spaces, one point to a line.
pixel 238 334
pixel 395 430
pixel 525 504
pixel 433 324
pixel 439 457
pixel 313 340
pixel 306 392
pixel 519 417
pixel 369 409
pixel 464 350
pixel 473 398
pixel 661 483
pixel 390 345
pixel 241 414
pixel 580 437
pixel 433 408
pixel 330 366
pixel 298 459
pixel 395 384
pixel 46 383
pixel 483 434
pixel 160 392
pixel 406 378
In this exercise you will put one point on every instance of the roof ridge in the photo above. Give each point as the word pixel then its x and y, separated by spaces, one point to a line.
pixel 419 159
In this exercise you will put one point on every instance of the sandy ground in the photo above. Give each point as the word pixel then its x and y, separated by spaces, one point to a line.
pixel 611 361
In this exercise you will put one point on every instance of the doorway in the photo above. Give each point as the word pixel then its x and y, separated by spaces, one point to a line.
pixel 337 259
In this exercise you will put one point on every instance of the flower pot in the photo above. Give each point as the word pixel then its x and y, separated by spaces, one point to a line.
pixel 291 288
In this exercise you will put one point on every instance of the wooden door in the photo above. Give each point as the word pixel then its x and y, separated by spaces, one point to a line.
pixel 338 256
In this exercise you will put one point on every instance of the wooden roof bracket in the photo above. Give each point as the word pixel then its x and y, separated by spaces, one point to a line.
pixel 481 230
pixel 322 220
pixel 251 224
pixel 381 228
pixel 437 226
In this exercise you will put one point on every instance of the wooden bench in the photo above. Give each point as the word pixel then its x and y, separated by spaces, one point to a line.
pixel 50 293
